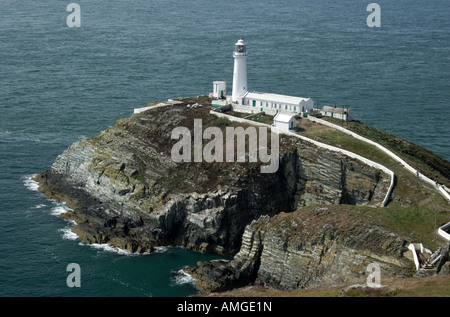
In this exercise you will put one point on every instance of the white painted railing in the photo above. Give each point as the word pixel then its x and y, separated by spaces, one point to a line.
pixel 319 144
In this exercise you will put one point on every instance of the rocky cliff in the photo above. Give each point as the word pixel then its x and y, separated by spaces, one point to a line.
pixel 309 248
pixel 125 190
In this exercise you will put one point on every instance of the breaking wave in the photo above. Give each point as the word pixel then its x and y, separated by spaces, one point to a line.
pixel 108 248
pixel 30 183
pixel 161 249
pixel 67 234
pixel 182 277
pixel 60 209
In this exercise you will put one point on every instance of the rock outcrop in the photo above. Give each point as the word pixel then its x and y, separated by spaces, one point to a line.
pixel 318 247
pixel 125 190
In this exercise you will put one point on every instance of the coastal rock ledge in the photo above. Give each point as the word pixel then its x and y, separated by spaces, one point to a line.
pixel 125 190
pixel 310 248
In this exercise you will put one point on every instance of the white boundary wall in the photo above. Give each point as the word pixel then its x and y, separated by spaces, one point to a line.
pixel 444 234
pixel 170 102
pixel 159 105
pixel 441 189
pixel 322 145
pixel 417 247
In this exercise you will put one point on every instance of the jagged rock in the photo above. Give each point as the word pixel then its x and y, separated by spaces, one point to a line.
pixel 125 189
pixel 315 248
pixel 221 275
pixel 443 266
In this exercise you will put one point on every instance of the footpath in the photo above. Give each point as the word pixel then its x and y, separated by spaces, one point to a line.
pixel 441 188
pixel 319 144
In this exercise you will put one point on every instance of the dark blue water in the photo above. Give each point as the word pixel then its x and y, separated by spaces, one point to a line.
pixel 59 85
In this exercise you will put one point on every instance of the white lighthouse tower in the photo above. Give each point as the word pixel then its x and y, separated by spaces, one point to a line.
pixel 240 72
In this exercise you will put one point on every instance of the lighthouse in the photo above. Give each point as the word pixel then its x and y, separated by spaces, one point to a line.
pixel 245 101
pixel 240 71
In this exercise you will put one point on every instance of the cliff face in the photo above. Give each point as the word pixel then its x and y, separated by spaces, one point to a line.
pixel 126 190
pixel 319 247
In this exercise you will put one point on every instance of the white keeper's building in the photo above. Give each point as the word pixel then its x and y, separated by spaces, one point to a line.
pixel 243 100
pixel 285 121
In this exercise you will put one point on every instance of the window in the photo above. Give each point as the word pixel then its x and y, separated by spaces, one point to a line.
pixel 240 48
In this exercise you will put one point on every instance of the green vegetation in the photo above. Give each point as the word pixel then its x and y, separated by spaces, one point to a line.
pixel 411 211
pixel 413 206
pixel 420 158
pixel 432 286
pixel 263 118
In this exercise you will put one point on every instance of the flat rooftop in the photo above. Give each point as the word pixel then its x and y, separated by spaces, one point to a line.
pixel 275 97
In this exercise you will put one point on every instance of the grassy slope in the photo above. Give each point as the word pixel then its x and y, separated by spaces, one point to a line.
pixel 420 158
pixel 432 286
pixel 411 212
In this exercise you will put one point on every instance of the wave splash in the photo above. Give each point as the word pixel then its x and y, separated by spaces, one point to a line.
pixel 30 183
pixel 181 277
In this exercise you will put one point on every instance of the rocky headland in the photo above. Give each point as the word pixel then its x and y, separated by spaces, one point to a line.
pixel 284 229
pixel 314 247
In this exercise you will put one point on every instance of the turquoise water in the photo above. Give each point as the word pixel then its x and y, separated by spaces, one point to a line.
pixel 59 85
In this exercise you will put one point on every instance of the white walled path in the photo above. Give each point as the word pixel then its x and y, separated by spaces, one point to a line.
pixel 319 144
pixel 442 190
pixel 408 167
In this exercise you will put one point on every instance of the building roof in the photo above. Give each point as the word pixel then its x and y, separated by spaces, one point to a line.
pixel 275 98
pixel 283 117
pixel 334 109
pixel 328 108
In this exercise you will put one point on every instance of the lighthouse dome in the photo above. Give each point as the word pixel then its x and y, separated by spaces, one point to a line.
pixel 240 47
pixel 240 42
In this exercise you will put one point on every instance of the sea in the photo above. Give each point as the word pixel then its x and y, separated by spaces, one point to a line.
pixel 68 74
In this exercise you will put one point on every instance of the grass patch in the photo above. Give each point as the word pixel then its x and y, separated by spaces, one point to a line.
pixel 425 161
pixel 405 191
pixel 432 286
pixel 262 118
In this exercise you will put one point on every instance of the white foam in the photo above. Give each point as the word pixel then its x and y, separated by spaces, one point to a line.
pixel 181 277
pixel 59 210
pixel 5 132
pixel 68 234
pixel 31 184
pixel 40 206
pixel 108 248
pixel 161 249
